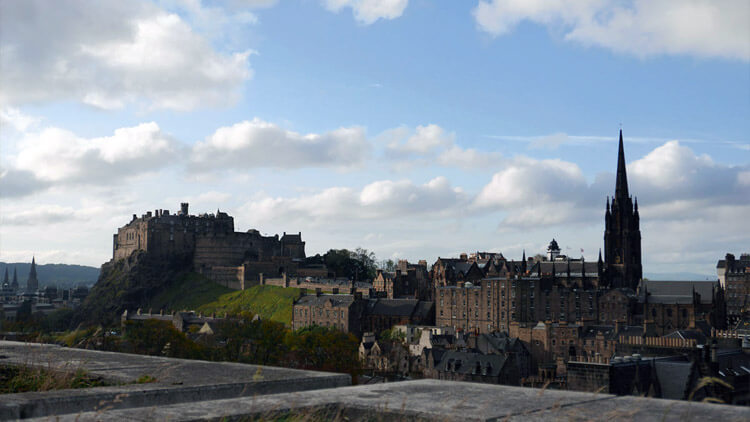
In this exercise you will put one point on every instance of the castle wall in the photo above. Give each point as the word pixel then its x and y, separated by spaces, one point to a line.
pixel 233 249
pixel 231 277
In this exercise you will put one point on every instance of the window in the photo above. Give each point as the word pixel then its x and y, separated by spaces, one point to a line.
pixel 684 313
pixel 669 312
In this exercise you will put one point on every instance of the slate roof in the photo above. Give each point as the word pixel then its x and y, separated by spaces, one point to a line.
pixel 676 291
pixel 467 363
pixel 590 332
pixel 696 335
pixel 392 307
pixel 500 342
pixel 561 267
pixel 337 301
pixel 674 378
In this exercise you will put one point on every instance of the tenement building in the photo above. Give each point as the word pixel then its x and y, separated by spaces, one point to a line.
pixel 356 314
pixel 227 257
pixel 734 276
pixel 554 301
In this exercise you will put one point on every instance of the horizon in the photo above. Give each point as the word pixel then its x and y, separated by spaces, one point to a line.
pixel 411 130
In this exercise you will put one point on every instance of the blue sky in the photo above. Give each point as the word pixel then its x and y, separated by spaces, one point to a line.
pixel 412 128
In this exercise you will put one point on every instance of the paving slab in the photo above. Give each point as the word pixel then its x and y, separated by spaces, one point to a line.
pixel 431 400
pixel 178 380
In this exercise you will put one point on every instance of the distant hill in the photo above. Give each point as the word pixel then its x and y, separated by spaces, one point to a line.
pixel 60 275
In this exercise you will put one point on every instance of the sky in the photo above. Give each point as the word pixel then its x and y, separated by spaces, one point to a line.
pixel 415 129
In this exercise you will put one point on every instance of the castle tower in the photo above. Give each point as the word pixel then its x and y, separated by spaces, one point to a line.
pixel 622 234
pixel 32 285
pixel 6 280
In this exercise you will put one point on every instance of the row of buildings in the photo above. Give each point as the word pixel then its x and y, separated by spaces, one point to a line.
pixel 42 300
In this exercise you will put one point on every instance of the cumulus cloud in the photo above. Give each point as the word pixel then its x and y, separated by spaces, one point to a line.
pixel 425 140
pixel 671 182
pixel 702 28
pixel 527 181
pixel 376 201
pixel 257 143
pixel 49 214
pixel 673 172
pixel 18 183
pixel 14 118
pixel 369 11
pixel 432 144
pixel 57 155
pixel 109 54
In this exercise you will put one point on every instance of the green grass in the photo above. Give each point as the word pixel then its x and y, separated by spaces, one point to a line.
pixel 188 292
pixel 270 302
pixel 195 292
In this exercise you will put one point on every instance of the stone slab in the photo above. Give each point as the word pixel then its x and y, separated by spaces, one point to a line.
pixel 432 400
pixel 178 380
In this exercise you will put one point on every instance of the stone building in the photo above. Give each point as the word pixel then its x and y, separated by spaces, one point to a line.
pixel 227 257
pixel 622 234
pixel 342 312
pixel 679 305
pixel 734 277
pixel 408 281
pixel 477 367
pixel 357 314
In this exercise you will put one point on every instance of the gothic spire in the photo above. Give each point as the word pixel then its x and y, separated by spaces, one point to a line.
pixel 32 272
pixel 621 187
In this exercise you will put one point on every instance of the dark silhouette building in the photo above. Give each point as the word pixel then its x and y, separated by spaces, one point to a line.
pixel 622 234
pixel 32 285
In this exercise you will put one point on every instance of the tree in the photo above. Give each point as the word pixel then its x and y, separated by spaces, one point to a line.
pixel 388 265
pixel 358 264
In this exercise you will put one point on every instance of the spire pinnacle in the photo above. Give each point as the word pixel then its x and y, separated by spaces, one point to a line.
pixel 621 186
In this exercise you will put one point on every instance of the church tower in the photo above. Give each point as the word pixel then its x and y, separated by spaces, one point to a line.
pixel 33 284
pixel 622 233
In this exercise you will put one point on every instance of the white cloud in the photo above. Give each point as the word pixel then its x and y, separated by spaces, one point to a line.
pixel 18 183
pixel 48 214
pixel 469 159
pixel 526 181
pixel 13 117
pixel 376 201
pixel 56 155
pixel 256 143
pixel 702 28
pixel 673 172
pixel 430 145
pixel 369 11
pixel 425 140
pixel 109 54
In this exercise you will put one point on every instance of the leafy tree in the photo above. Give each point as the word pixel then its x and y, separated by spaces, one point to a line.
pixel 388 265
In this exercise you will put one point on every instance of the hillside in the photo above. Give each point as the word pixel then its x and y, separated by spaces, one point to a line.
pixel 270 302
pixel 194 292
pixel 130 284
pixel 60 275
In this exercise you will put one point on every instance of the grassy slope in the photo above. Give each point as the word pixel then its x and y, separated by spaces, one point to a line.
pixel 188 292
pixel 195 292
pixel 270 302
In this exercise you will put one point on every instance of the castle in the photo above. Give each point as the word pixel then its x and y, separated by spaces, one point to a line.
pixel 230 258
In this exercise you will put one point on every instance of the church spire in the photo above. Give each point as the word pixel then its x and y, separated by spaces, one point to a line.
pixel 621 188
